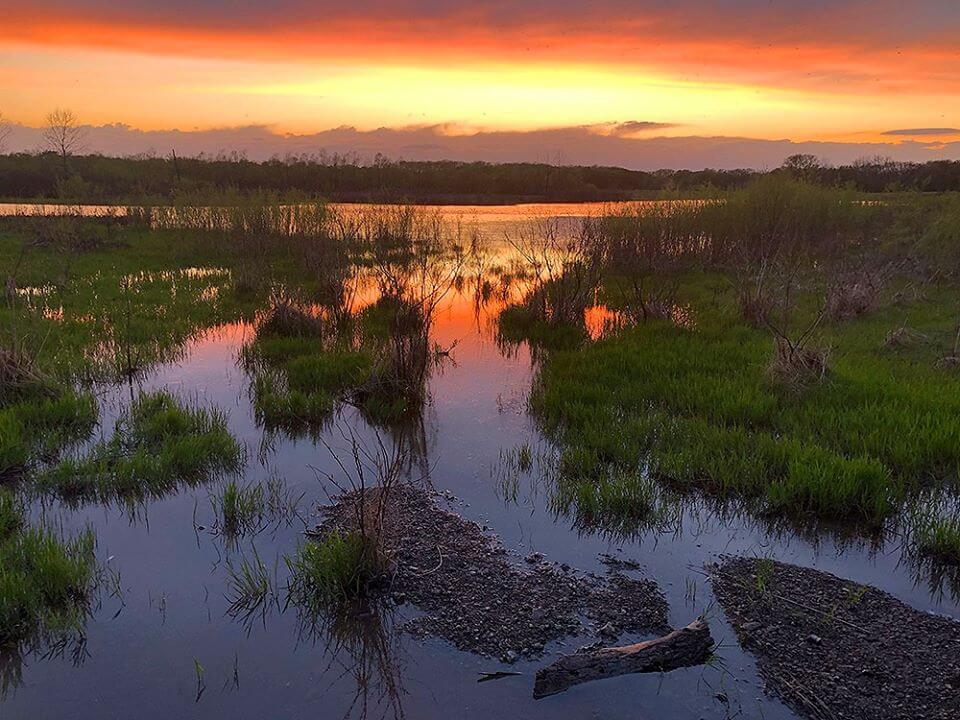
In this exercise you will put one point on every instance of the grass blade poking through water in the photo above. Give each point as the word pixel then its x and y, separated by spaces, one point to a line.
pixel 252 590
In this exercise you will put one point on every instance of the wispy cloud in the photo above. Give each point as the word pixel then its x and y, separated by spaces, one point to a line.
pixel 923 132
pixel 632 128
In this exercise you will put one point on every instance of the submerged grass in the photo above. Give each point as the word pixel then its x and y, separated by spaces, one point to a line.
pixel 252 590
pixel 157 445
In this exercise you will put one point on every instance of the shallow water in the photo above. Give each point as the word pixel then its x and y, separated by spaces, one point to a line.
pixel 143 644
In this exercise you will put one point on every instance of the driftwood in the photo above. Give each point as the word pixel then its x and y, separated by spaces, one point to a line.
pixel 681 648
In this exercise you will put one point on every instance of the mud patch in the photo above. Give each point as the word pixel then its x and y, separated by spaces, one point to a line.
pixel 831 648
pixel 482 599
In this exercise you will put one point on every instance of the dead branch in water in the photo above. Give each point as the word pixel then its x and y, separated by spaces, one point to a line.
pixel 685 647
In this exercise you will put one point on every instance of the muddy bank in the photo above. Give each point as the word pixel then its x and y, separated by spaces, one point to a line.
pixel 482 599
pixel 831 648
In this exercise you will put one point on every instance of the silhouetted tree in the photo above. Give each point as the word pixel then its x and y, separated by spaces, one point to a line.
pixel 802 166
pixel 63 134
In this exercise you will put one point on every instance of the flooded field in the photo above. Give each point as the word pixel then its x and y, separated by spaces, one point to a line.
pixel 167 639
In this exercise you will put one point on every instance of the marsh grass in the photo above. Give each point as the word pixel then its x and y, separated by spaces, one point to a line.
pixel 124 307
pixel 615 501
pixel 696 406
pixel 244 509
pixel 521 466
pixel 46 582
pixel 937 538
pixel 518 324
pixel 39 418
pixel 157 444
pixel 20 377
pixel 286 319
pixel 339 568
pixel 298 382
pixel 250 217
pixel 307 360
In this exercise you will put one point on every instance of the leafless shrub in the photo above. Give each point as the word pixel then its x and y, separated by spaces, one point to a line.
pixel 18 374
pixel 286 318
pixel 853 294
pixel 564 267
pixel 415 259
pixel 800 361
pixel 647 243
pixel 368 474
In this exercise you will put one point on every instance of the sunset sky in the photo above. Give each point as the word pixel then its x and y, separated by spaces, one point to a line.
pixel 582 81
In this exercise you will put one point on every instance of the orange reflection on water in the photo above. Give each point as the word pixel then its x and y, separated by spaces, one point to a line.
pixel 601 321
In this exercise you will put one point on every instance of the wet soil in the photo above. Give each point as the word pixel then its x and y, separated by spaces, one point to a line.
pixel 831 648
pixel 482 599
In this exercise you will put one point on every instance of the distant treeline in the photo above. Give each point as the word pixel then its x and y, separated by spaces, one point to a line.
pixel 96 178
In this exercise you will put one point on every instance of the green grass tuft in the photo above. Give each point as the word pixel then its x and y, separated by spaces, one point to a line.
pixel 37 428
pixel 938 538
pixel 157 445
pixel 336 569
pixel 240 507
pixel 45 582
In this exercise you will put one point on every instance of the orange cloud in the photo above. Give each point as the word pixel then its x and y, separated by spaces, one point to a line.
pixel 775 69
pixel 820 61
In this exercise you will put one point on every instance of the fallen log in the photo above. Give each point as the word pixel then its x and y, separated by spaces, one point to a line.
pixel 681 648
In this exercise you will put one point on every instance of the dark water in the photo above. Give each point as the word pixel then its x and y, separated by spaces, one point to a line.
pixel 141 652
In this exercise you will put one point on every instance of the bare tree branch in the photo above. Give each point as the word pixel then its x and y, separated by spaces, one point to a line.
pixel 63 134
